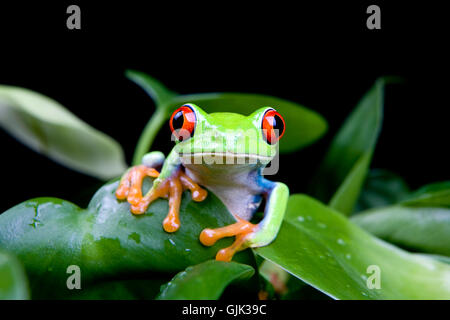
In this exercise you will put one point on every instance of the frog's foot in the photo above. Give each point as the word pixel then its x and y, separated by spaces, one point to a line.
pixel 241 229
pixel 130 188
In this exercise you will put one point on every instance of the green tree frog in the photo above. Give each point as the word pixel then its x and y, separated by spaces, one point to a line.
pixel 225 153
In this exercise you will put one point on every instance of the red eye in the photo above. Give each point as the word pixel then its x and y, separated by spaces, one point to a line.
pixel 182 122
pixel 273 126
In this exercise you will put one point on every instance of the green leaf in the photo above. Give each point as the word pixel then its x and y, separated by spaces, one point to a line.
pixel 432 195
pixel 342 173
pixel 382 188
pixel 419 229
pixel 47 127
pixel 106 241
pixel 162 96
pixel 13 283
pixel 309 125
pixel 205 281
pixel 348 192
pixel 324 249
pixel 155 89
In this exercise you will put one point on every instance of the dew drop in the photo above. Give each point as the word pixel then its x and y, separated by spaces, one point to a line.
pixel 341 242
pixel 300 218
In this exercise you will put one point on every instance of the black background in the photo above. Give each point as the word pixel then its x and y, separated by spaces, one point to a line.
pixel 320 55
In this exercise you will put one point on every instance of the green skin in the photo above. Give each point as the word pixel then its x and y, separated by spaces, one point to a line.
pixel 240 185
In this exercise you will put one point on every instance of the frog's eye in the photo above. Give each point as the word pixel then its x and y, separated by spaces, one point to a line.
pixel 272 126
pixel 182 122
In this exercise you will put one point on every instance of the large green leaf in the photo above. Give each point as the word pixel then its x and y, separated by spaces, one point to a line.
pixel 324 249
pixel 303 126
pixel 48 128
pixel 205 281
pixel 106 241
pixel 13 283
pixel 381 188
pixel 344 168
pixel 418 228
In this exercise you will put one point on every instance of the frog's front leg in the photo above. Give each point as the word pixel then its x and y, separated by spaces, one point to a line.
pixel 169 184
pixel 248 234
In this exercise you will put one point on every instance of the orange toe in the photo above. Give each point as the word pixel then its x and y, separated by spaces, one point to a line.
pixel 208 237
pixel 199 195
pixel 171 223
pixel 227 254
pixel 122 192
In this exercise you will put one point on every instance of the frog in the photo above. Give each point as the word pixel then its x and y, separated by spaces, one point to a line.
pixel 222 152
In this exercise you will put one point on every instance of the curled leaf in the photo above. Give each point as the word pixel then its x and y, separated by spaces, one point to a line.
pixel 47 127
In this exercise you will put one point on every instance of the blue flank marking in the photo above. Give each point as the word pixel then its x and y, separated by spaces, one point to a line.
pixel 266 185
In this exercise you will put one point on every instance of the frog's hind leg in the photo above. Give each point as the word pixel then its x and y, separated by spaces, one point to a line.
pixel 241 229
pixel 248 234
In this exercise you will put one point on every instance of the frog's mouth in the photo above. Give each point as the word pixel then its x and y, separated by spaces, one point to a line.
pixel 223 158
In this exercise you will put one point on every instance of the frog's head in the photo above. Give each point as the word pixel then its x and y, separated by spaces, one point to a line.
pixel 226 138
